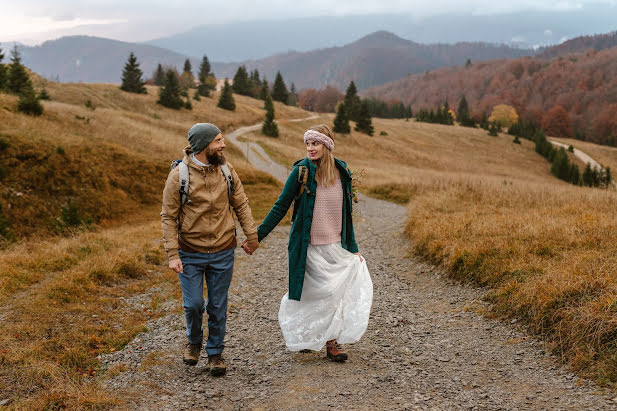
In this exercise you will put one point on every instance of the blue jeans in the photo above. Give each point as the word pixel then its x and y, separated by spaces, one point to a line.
pixel 218 269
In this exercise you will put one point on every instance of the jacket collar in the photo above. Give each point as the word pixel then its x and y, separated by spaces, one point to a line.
pixel 340 164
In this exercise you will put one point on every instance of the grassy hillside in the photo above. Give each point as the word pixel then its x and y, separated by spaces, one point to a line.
pixel 491 212
pixel 80 201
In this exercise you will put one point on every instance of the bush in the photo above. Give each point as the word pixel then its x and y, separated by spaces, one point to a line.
pixel 383 133
pixel 29 103
pixel 90 105
pixel 60 150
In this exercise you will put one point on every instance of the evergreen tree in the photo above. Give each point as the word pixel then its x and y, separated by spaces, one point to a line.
pixel 196 96
pixel 463 115
pixel 28 101
pixel 242 84
pixel 292 99
pixel 364 123
pixel 2 72
pixel 207 82
pixel 352 102
pixel 492 130
pixel 18 78
pixel 575 175
pixel 279 90
pixel 341 121
pixel 131 76
pixel 588 176
pixel 226 100
pixel 159 77
pixel 187 67
pixel 265 90
pixel 269 127
pixel 170 92
pixel 561 165
pixel 607 176
pixel 43 95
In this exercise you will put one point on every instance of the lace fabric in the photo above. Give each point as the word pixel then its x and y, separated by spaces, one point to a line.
pixel 336 300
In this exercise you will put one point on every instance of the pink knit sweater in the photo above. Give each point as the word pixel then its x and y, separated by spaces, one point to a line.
pixel 327 214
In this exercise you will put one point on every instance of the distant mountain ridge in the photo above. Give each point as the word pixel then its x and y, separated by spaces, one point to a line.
pixel 582 43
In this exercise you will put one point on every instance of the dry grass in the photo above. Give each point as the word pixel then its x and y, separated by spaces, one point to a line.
pixel 65 298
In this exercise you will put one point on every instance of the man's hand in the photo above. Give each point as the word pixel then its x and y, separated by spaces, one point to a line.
pixel 360 255
pixel 249 247
pixel 176 265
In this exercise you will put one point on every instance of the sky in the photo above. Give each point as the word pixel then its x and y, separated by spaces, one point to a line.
pixel 34 21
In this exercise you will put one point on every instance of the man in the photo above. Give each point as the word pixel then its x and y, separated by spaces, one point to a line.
pixel 200 239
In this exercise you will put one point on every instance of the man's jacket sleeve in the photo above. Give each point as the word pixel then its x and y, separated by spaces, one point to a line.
pixel 169 214
pixel 240 204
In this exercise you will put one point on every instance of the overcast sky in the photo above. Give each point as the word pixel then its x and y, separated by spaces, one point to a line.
pixel 34 21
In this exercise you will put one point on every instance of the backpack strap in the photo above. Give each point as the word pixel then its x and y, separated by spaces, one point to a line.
pixel 229 180
pixel 183 176
pixel 303 173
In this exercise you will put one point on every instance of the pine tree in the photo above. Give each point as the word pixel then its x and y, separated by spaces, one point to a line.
pixel 28 101
pixel 265 90
pixel 159 77
pixel 463 113
pixel 292 99
pixel 561 165
pixel 575 175
pixel 341 121
pixel 207 81
pixel 2 72
pixel 226 100
pixel 170 92
pixel 352 102
pixel 364 123
pixel 187 67
pixel 588 176
pixel 131 76
pixel 18 78
pixel 269 127
pixel 279 90
pixel 241 84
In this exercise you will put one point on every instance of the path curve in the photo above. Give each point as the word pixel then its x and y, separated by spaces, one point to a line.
pixel 426 346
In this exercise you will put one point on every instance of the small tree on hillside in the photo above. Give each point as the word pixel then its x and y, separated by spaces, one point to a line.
pixel 2 72
pixel 187 67
pixel 28 101
pixel 341 121
pixel 503 115
pixel 226 100
pixel 352 102
pixel 269 127
pixel 207 82
pixel 279 90
pixel 265 90
pixel 131 76
pixel 463 114
pixel 364 123
pixel 159 76
pixel 18 78
pixel 241 83
pixel 187 80
pixel 292 99
pixel 170 92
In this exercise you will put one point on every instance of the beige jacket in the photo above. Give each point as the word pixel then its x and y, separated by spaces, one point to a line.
pixel 208 224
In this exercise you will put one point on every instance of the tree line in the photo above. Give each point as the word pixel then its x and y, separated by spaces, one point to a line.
pixel 15 79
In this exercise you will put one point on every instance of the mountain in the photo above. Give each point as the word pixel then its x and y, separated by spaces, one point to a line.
pixel 375 59
pixel 582 43
pixel 94 59
pixel 251 40
pixel 584 85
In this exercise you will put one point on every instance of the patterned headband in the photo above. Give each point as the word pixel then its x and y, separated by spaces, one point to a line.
pixel 317 136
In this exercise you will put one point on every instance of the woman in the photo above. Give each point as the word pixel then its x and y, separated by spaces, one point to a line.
pixel 330 289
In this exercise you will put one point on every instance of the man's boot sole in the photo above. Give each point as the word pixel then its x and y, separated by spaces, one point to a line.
pixel 218 372
pixel 337 358
pixel 189 362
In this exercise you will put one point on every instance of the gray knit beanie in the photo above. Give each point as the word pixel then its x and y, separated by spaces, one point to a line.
pixel 201 134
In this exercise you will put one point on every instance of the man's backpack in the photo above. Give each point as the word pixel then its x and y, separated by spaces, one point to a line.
pixel 183 177
pixel 303 173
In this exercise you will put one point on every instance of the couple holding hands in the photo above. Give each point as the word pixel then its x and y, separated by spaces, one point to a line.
pixel 330 290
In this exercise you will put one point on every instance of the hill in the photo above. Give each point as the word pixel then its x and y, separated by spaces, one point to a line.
pixel 581 44
pixel 583 84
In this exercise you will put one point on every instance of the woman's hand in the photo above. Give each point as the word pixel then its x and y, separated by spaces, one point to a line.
pixel 360 255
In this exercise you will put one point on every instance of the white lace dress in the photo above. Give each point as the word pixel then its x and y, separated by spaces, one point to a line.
pixel 336 298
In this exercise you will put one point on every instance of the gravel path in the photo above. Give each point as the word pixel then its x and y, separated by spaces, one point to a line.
pixel 425 348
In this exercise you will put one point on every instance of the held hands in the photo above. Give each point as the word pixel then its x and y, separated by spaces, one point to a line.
pixel 176 265
pixel 360 255
pixel 249 247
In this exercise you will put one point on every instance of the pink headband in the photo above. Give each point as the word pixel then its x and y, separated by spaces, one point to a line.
pixel 317 136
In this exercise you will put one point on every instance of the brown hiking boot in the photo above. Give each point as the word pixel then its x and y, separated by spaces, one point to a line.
pixel 335 352
pixel 216 365
pixel 191 354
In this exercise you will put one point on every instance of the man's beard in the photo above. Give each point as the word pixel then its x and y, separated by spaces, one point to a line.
pixel 214 158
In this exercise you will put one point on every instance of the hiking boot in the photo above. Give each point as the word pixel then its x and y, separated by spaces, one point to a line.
pixel 335 352
pixel 191 354
pixel 216 365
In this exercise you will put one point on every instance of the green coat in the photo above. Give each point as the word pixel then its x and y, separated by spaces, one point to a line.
pixel 300 234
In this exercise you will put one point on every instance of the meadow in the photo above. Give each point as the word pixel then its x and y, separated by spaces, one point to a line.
pixel 485 208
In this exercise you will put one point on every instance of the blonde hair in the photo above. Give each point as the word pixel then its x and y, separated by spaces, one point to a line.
pixel 326 174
